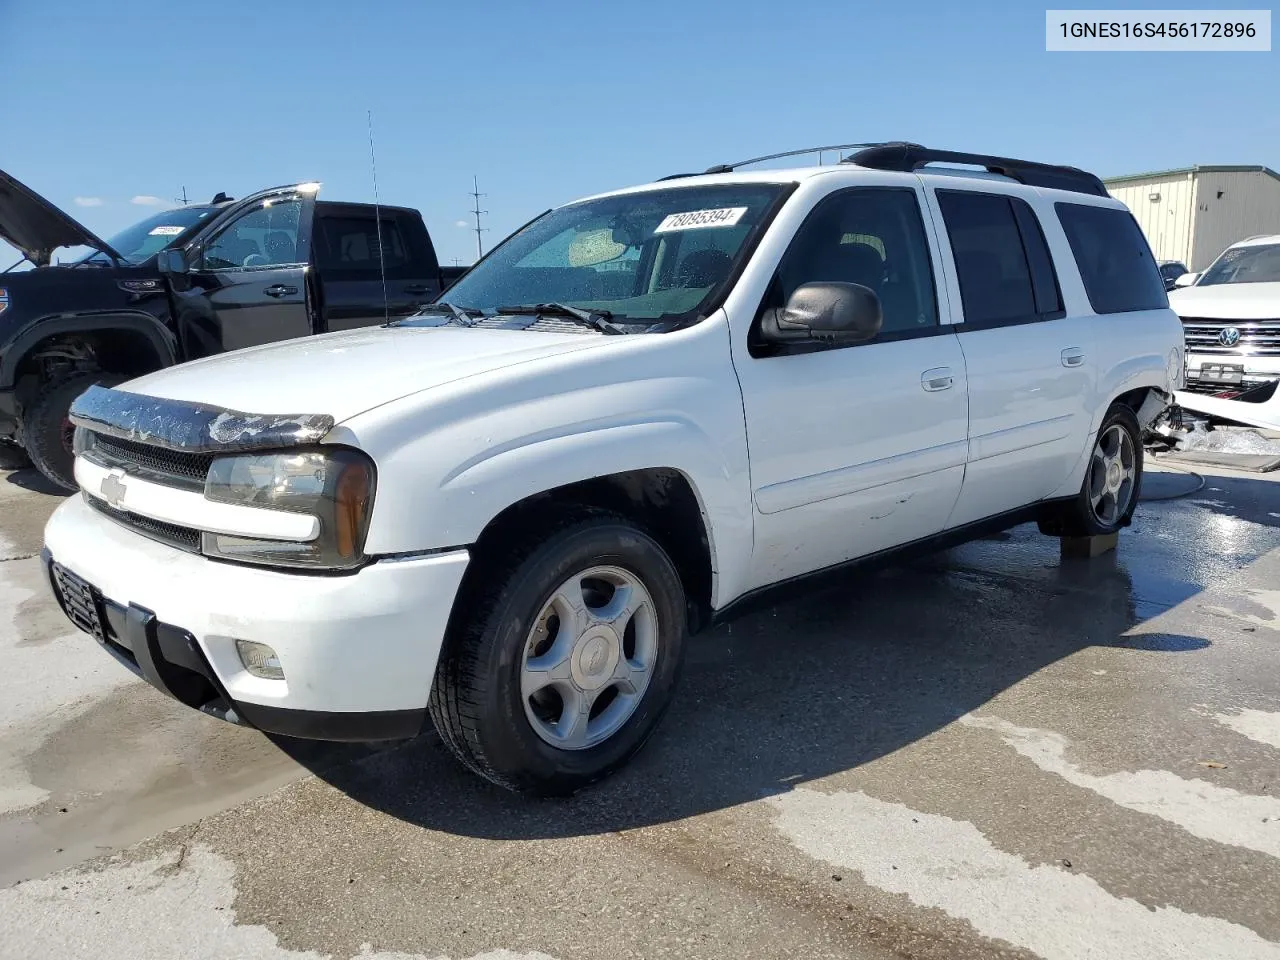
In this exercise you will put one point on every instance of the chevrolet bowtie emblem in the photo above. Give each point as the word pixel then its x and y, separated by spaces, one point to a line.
pixel 113 488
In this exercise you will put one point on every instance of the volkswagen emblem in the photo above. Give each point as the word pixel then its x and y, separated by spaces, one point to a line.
pixel 113 488
pixel 1229 336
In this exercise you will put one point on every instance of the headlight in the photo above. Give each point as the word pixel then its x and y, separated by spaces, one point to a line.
pixel 333 485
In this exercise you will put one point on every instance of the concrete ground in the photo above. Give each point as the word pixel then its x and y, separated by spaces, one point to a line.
pixel 991 752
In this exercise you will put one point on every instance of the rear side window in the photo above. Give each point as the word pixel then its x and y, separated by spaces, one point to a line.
pixel 1115 261
pixel 351 243
pixel 1002 261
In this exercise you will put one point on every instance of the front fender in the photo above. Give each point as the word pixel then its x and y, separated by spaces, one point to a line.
pixel 451 460
pixel 161 338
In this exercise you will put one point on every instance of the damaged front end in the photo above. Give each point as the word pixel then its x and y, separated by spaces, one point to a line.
pixel 192 428
pixel 251 488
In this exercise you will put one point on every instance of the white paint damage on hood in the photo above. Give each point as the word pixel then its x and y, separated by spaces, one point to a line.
pixel 343 374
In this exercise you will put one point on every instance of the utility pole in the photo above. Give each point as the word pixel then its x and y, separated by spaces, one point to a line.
pixel 183 198
pixel 476 194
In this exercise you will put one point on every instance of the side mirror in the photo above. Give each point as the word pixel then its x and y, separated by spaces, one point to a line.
pixel 827 312
pixel 1186 280
pixel 173 261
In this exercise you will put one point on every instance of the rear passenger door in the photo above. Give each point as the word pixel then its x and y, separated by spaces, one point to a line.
pixel 1031 363
pixel 351 276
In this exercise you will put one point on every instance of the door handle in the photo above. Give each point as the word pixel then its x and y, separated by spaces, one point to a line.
pixel 1072 357
pixel 417 289
pixel 280 290
pixel 939 378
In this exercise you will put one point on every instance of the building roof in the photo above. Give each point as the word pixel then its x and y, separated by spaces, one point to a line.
pixel 1207 168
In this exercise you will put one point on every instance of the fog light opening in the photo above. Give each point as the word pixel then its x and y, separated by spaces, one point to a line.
pixel 260 660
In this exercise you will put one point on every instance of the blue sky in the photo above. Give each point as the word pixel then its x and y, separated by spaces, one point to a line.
pixel 548 101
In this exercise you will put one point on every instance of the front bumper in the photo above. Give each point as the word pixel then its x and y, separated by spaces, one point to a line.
pixel 358 651
pixel 1257 371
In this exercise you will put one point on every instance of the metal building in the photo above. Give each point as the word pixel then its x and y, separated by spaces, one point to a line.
pixel 1195 213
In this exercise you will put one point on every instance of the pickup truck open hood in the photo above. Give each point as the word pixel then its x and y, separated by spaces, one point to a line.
pixel 36 227
pixel 343 374
pixel 1228 301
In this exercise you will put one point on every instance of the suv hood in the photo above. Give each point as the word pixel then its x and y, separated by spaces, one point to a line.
pixel 36 227
pixel 343 374
pixel 1228 301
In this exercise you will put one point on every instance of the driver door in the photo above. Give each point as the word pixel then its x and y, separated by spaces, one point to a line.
pixel 250 278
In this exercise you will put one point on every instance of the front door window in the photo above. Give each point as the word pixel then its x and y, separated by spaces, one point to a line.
pixel 264 237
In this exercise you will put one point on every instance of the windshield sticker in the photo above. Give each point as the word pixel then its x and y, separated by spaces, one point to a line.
pixel 166 231
pixel 697 219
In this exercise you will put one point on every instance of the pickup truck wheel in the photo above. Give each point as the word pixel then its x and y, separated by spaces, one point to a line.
pixel 564 672
pixel 47 431
pixel 1112 481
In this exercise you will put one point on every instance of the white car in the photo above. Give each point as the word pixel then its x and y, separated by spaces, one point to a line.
pixel 1231 315
pixel 639 413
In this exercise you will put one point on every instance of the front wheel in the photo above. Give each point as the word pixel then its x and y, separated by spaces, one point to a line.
pixel 1112 481
pixel 565 657
pixel 47 429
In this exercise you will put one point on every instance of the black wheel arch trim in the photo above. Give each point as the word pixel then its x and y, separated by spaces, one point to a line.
pixel 13 352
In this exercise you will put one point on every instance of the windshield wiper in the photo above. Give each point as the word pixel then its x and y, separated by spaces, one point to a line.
pixel 465 316
pixel 598 319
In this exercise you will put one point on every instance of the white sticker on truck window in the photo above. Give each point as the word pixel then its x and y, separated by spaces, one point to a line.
pixel 165 231
pixel 697 219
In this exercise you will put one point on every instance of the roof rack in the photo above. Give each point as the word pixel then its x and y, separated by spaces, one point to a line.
pixel 730 167
pixel 911 156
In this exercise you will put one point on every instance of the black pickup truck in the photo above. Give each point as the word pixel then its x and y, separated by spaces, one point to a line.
pixel 183 284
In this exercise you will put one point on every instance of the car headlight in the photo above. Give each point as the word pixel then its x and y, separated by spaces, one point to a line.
pixel 334 485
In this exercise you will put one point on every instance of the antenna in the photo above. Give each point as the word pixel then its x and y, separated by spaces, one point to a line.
pixel 182 199
pixel 475 192
pixel 377 219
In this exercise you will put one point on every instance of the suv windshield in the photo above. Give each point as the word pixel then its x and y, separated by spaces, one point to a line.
pixel 1254 264
pixel 646 256
pixel 153 234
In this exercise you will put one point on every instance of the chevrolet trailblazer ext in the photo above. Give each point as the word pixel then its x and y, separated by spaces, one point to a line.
pixel 639 411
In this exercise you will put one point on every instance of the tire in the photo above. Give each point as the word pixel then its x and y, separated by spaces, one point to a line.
pixel 492 702
pixel 1107 498
pixel 46 432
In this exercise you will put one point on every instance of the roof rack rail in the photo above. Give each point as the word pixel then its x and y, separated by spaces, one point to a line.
pixel 730 167
pixel 912 156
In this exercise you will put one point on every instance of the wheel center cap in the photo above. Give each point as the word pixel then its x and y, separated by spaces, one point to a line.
pixel 595 658
pixel 1113 475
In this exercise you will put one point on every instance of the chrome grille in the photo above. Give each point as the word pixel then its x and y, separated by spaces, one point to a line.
pixel 1258 338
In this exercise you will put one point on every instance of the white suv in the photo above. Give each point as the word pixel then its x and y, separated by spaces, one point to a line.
pixel 638 413
pixel 1231 315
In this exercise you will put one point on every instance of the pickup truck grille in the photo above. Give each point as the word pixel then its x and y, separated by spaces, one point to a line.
pixel 1258 338
pixel 169 467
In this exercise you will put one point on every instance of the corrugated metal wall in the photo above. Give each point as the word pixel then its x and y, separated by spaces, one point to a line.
pixel 1231 207
pixel 1168 221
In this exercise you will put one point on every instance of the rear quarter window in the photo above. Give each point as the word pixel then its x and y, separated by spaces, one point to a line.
pixel 1119 272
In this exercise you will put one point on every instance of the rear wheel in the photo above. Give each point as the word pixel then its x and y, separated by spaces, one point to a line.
pixel 1112 481
pixel 566 658
pixel 47 430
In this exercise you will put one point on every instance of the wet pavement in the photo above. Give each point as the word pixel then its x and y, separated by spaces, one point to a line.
pixel 990 752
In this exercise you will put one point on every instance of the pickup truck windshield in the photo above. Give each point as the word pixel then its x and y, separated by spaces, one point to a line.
pixel 153 234
pixel 1256 264
pixel 646 256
